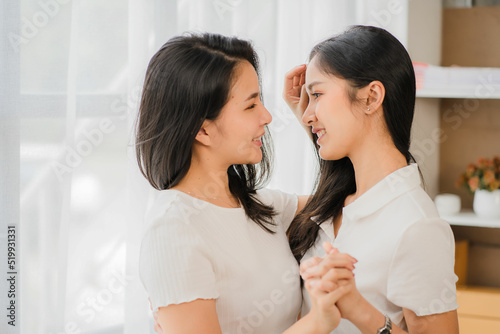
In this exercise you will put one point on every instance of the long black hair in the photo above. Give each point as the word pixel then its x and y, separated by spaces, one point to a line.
pixel 360 55
pixel 187 82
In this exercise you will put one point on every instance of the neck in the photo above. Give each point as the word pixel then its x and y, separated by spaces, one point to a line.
pixel 372 163
pixel 206 179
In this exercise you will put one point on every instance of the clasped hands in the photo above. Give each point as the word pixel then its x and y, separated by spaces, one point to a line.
pixel 331 286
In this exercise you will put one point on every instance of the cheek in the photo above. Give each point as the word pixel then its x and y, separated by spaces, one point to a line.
pixel 241 138
pixel 327 109
pixel 338 117
pixel 328 116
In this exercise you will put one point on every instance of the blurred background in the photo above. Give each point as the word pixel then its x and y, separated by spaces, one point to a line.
pixel 71 74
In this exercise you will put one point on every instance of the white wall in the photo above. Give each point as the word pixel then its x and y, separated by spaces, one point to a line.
pixel 424 45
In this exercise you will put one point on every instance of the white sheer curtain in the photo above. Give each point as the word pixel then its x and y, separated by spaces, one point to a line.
pixel 71 77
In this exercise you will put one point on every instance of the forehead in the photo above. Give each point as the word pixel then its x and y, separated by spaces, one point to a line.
pixel 245 79
pixel 316 75
pixel 313 70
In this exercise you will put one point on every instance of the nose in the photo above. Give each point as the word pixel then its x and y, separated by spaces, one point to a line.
pixel 309 116
pixel 266 116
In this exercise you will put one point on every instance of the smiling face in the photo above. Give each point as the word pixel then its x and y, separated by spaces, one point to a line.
pixel 236 135
pixel 336 120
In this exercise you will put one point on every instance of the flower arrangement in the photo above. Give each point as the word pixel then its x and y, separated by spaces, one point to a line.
pixel 484 175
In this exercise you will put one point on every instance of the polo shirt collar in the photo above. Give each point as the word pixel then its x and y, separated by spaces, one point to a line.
pixel 391 187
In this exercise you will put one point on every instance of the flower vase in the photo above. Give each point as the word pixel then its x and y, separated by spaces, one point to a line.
pixel 487 203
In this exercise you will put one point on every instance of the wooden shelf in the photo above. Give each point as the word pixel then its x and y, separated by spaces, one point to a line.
pixel 457 82
pixel 456 93
pixel 478 310
pixel 469 218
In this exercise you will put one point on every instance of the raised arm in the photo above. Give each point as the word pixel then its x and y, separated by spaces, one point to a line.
pixel 295 95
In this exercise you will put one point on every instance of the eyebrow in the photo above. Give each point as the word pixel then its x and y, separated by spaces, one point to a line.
pixel 310 86
pixel 253 96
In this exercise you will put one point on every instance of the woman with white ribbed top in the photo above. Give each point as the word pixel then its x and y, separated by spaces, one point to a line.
pixel 215 257
pixel 358 94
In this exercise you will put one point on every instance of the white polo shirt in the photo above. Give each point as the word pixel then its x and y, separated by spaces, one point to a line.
pixel 196 250
pixel 405 252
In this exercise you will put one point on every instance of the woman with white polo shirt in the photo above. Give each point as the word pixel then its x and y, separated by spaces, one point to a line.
pixel 369 202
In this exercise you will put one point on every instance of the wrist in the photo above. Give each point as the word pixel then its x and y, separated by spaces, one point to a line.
pixel 315 326
pixel 367 318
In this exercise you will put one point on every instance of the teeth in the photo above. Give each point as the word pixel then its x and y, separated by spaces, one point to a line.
pixel 256 139
pixel 321 133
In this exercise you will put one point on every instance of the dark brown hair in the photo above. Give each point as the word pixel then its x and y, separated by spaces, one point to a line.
pixel 187 82
pixel 360 55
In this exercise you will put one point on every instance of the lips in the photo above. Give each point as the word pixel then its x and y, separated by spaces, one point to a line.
pixel 258 140
pixel 319 132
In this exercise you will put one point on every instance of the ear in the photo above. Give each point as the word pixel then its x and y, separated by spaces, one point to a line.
pixel 374 95
pixel 203 136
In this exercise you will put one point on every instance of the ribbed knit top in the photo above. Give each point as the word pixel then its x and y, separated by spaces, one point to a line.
pixel 193 249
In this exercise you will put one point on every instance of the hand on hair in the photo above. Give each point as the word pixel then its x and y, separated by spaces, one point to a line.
pixel 294 92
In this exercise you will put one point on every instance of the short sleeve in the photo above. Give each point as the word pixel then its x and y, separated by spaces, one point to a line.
pixel 174 264
pixel 421 275
pixel 284 204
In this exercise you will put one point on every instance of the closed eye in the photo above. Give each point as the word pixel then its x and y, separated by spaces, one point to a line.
pixel 251 107
pixel 316 95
